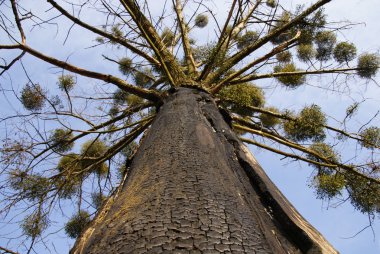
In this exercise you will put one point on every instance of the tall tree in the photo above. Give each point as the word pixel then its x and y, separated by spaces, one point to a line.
pixel 141 145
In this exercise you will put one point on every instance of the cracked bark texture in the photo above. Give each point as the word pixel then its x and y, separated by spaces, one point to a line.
pixel 194 188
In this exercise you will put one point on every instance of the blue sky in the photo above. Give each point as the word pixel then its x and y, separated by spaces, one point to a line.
pixel 336 224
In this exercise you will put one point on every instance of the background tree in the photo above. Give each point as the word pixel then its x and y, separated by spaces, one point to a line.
pixel 73 140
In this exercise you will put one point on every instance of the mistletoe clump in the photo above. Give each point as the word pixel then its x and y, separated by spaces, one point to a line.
pixel 247 39
pixel 268 120
pixel 325 41
pixel 201 20
pixel 61 140
pixel 310 25
pixel 291 81
pixel 31 186
pixel 34 224
pixel 134 100
pixel 271 3
pixel 329 182
pixel 143 78
pixel 284 57
pixel 325 154
pixel 66 82
pixel 98 199
pixel 91 152
pixel 344 52
pixel 116 31
pixel 281 21
pixel 364 194
pixel 371 137
pixel 70 177
pixel 33 97
pixel 77 223
pixel 305 52
pixel 125 65
pixel 309 124
pixel 368 65
pixel 205 53
pixel 167 37
pixel 238 97
pixel 120 97
pixel 69 164
pixel 329 185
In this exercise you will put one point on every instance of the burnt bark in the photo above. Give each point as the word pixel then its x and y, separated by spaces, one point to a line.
pixel 193 187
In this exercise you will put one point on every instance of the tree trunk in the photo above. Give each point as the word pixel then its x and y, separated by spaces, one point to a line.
pixel 193 187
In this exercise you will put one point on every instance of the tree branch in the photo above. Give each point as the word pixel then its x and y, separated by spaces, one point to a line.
pixel 230 62
pixel 171 67
pixel 111 37
pixel 335 166
pixel 252 77
pixel 143 93
pixel 185 37
pixel 273 52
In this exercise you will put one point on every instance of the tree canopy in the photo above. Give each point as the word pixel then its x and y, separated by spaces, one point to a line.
pixel 69 133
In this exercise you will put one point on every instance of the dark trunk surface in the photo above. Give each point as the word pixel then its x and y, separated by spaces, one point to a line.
pixel 193 188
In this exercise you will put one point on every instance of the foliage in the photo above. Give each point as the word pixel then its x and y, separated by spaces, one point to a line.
pixel 133 100
pixel 66 82
pixel 281 21
pixel 70 176
pixel 201 20
pixel 371 137
pixel 143 78
pixel 60 139
pixel 238 97
pixel 364 195
pixel 33 97
pixel 268 120
pixel 120 96
pixel 291 81
pixel 306 52
pixel 325 41
pixel 125 65
pixel 33 187
pixel 34 224
pixel 247 39
pixel 284 57
pixel 310 25
pixel 69 164
pixel 327 153
pixel 271 3
pixel 167 37
pixel 77 223
pixel 329 185
pixel 91 151
pixel 206 53
pixel 114 110
pixel 344 52
pixel 308 125
pixel 368 65
pixel 98 199
pixel 116 31
pixel 352 109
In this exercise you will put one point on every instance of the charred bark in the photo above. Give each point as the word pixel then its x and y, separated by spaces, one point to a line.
pixel 193 187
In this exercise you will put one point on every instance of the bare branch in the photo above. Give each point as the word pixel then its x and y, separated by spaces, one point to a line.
pixel 111 37
pixel 185 37
pixel 172 69
pixel 143 93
